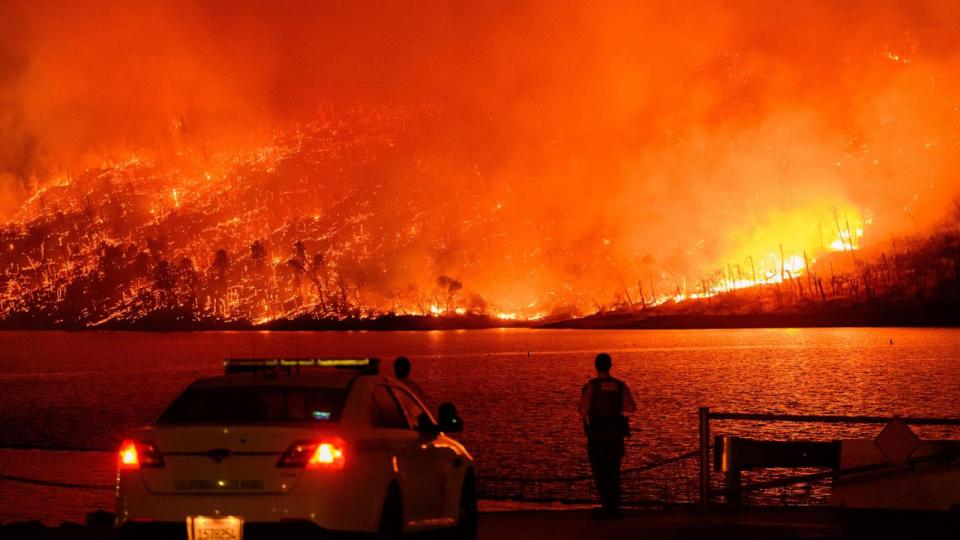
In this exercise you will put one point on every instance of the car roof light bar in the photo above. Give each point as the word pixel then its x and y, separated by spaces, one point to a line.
pixel 291 365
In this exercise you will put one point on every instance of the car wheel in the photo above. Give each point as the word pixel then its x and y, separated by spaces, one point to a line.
pixel 391 518
pixel 467 527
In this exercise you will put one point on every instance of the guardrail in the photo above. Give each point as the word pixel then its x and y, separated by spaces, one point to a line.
pixel 706 415
pixel 563 489
pixel 56 483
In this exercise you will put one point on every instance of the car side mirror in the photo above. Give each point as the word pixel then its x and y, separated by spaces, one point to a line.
pixel 426 426
pixel 449 420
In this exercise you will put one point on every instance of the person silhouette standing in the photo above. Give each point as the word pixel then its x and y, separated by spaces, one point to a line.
pixel 603 403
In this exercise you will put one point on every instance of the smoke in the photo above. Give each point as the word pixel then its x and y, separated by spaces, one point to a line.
pixel 690 134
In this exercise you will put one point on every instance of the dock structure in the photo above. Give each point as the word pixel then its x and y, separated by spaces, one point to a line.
pixel 895 471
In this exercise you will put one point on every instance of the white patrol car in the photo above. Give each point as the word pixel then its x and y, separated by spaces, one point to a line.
pixel 277 447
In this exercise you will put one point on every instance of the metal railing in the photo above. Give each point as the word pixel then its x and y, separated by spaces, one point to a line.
pixel 705 417
pixel 564 489
pixel 56 483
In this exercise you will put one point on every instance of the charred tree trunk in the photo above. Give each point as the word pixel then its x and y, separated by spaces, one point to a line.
pixel 782 263
pixel 319 287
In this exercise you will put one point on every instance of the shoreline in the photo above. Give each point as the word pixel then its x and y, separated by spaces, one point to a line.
pixel 828 315
pixel 665 323
pixel 755 321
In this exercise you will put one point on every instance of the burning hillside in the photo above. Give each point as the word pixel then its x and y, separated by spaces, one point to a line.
pixel 344 161
pixel 347 218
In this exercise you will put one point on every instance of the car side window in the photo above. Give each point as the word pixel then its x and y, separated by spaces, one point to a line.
pixel 409 405
pixel 384 411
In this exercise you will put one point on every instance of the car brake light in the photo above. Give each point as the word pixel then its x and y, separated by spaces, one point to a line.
pixel 136 454
pixel 128 455
pixel 326 454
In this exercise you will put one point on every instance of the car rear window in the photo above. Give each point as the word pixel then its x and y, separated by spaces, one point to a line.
pixel 256 404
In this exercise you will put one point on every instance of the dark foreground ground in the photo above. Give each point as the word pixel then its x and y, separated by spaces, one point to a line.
pixel 723 524
pixel 686 524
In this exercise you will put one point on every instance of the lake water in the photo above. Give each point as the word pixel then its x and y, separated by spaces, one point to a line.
pixel 516 390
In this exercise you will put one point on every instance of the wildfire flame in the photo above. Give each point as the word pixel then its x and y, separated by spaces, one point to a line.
pixel 336 161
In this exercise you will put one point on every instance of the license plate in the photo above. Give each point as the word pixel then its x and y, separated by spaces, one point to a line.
pixel 214 528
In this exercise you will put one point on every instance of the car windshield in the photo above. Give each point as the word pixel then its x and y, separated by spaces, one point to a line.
pixel 256 404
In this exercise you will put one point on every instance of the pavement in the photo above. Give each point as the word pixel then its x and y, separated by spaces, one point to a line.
pixel 649 524
pixel 741 524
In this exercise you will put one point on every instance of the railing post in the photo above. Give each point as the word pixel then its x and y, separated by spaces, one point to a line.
pixel 704 458
pixel 734 496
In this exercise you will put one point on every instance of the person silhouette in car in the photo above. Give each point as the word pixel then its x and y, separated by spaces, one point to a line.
pixel 401 369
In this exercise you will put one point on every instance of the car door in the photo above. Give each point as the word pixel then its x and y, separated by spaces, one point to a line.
pixel 439 459
pixel 411 462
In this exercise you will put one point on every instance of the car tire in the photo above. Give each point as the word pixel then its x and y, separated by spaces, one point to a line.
pixel 391 518
pixel 466 528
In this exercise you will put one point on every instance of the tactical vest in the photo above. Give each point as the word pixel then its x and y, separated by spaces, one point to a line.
pixel 606 403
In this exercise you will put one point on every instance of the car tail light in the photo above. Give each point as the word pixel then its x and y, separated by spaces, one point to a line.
pixel 136 454
pixel 327 454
